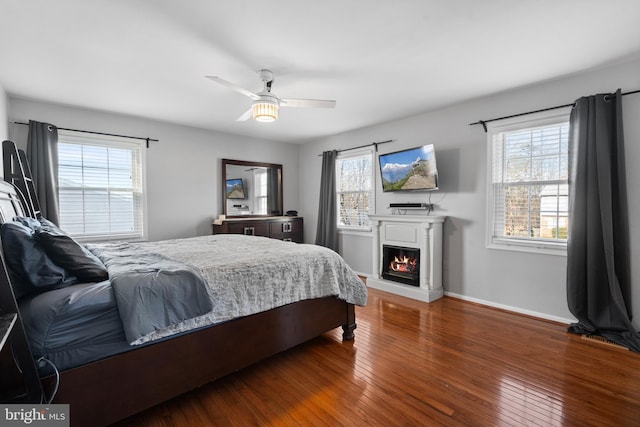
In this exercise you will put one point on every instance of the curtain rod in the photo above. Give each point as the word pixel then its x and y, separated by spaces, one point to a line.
pixel 375 144
pixel 100 133
pixel 484 122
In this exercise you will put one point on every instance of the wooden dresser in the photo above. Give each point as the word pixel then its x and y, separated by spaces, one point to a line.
pixel 288 228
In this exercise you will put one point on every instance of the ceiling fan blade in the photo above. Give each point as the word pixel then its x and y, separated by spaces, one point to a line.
pixel 233 87
pixel 246 116
pixel 307 103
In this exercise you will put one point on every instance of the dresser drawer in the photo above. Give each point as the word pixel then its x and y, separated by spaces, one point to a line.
pixel 249 228
pixel 287 230
pixel 282 228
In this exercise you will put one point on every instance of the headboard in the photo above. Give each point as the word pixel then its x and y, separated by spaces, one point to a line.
pixel 10 206
pixel 18 173
pixel 29 389
pixel 10 203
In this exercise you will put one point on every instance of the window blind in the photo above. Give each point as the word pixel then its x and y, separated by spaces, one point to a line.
pixel 354 189
pixel 101 187
pixel 530 184
pixel 261 192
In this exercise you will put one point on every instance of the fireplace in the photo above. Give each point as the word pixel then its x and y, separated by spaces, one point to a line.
pixel 401 264
pixel 407 255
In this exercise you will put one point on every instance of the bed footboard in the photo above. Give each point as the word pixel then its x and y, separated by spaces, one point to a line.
pixel 116 387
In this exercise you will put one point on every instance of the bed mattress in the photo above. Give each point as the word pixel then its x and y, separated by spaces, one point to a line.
pixel 244 275
pixel 75 325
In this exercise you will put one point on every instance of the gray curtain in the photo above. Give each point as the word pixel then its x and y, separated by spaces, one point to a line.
pixel 598 266
pixel 42 152
pixel 327 231
pixel 273 191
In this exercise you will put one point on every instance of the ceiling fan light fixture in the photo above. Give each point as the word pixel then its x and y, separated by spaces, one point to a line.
pixel 266 104
pixel 265 111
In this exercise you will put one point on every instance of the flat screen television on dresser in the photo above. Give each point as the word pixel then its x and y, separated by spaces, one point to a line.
pixel 413 169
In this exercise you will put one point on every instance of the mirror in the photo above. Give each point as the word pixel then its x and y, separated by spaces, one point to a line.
pixel 251 188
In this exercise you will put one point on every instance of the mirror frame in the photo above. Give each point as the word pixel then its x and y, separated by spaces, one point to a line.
pixel 226 162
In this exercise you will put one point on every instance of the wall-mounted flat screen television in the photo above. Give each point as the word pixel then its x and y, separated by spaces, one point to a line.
pixel 235 189
pixel 413 169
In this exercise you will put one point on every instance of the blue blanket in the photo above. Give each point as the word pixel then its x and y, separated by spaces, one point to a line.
pixel 152 291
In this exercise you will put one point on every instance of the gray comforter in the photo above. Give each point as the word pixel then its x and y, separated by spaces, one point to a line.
pixel 152 291
pixel 243 275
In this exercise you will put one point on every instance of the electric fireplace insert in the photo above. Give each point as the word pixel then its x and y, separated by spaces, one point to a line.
pixel 401 264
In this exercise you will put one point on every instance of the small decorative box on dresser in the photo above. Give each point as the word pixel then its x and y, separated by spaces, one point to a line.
pixel 288 228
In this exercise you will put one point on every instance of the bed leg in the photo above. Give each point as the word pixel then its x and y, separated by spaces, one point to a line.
pixel 347 334
pixel 350 324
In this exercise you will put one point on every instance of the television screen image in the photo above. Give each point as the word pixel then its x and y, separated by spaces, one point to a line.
pixel 235 189
pixel 407 170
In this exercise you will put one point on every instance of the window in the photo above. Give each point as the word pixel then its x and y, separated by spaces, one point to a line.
pixel 354 189
pixel 528 188
pixel 260 196
pixel 101 187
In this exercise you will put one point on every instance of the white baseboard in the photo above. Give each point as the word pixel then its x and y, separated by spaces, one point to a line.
pixel 502 306
pixel 510 308
pixel 420 294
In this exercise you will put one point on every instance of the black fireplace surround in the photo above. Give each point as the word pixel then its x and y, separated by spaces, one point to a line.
pixel 401 264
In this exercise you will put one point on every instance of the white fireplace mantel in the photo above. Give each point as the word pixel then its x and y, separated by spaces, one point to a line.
pixel 422 232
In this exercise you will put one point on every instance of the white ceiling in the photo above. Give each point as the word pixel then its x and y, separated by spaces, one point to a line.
pixel 381 60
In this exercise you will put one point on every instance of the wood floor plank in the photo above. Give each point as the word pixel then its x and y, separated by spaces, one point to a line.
pixel 449 363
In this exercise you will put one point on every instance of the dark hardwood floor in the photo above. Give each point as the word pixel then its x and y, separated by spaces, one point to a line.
pixel 450 363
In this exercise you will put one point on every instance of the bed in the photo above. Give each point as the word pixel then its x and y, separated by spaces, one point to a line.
pixel 114 372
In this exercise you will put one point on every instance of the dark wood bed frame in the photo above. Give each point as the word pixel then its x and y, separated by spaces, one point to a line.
pixel 111 389
pixel 116 387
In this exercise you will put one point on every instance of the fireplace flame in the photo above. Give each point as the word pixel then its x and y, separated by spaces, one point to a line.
pixel 403 264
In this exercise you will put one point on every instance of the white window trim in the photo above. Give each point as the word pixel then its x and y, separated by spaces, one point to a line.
pixel 360 153
pixel 506 125
pixel 118 142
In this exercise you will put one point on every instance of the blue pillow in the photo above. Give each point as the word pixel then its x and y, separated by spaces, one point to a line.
pixel 31 269
pixel 43 221
pixel 69 254
pixel 27 221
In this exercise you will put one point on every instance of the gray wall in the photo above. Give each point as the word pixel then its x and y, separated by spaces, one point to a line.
pixel 183 168
pixel 4 121
pixel 525 282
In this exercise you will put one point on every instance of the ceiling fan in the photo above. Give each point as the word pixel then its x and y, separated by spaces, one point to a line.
pixel 265 104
